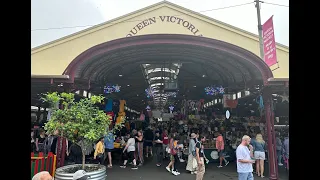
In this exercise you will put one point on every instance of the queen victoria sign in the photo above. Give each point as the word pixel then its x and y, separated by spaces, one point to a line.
pixel 164 19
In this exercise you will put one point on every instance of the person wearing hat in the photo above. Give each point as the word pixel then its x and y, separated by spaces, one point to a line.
pixel 80 175
pixel 191 165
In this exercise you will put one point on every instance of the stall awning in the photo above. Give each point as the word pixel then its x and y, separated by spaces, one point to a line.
pixel 49 76
pixel 278 82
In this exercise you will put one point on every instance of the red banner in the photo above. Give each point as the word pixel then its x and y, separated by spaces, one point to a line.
pixel 269 43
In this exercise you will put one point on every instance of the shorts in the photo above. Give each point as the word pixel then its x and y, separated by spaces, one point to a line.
pixel 171 157
pixel 245 176
pixel 221 153
pixel 108 150
pixel 148 143
pixel 128 156
pixel 259 155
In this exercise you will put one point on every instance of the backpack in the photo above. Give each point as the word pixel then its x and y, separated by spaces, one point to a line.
pixel 195 147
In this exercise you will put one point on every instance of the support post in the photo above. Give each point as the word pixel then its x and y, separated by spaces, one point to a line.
pixel 267 98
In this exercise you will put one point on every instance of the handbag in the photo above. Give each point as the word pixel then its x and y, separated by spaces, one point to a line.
pixel 194 163
pixel 173 151
pixel 168 150
pixel 99 156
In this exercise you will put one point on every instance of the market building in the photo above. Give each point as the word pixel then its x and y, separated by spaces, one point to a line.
pixel 163 48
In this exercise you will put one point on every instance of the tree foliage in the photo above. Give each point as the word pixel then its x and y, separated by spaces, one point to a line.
pixel 77 121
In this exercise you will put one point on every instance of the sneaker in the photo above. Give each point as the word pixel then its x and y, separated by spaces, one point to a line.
pixel 227 163
pixel 134 167
pixel 140 164
pixel 123 166
pixel 181 160
pixel 219 166
pixel 158 165
pixel 192 172
pixel 175 173
pixel 168 169
pixel 280 164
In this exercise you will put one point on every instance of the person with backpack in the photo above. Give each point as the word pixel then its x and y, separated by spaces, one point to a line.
pixel 75 153
pixel 192 165
pixel 200 158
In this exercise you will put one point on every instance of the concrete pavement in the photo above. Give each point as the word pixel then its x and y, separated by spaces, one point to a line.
pixel 149 171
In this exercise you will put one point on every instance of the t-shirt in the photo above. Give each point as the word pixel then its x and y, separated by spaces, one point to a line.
pixel 157 144
pixel 198 145
pixel 220 143
pixel 165 139
pixel 243 152
pixel 131 145
pixel 148 135
pixel 257 146
pixel 40 139
pixel 182 139
pixel 108 107
pixel 108 141
pixel 286 145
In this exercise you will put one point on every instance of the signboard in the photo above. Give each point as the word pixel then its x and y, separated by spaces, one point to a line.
pixel 165 19
pixel 269 43
pixel 225 98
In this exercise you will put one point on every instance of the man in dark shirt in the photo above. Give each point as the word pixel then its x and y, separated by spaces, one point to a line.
pixel 148 139
pixel 158 148
pixel 200 158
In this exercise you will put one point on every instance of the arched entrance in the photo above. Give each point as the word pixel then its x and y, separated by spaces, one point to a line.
pixel 169 39
pixel 127 59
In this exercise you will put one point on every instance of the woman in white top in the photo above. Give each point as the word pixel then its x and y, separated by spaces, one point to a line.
pixel 191 165
pixel 128 152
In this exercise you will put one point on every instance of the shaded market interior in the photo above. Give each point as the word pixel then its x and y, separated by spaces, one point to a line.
pixel 176 69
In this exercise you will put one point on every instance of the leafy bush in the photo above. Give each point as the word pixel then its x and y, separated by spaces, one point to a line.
pixel 80 121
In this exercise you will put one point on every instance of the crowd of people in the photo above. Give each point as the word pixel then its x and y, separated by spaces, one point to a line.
pixel 168 143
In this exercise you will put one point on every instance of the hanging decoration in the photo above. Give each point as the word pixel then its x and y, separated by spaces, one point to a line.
pixel 171 108
pixel 171 94
pixel 227 114
pixel 213 90
pixel 259 101
pixel 149 92
pixel 284 97
pixel 108 89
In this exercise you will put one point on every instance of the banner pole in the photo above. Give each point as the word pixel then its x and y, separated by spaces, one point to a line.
pixel 260 29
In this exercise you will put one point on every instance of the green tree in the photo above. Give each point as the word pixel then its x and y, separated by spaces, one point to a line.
pixel 81 122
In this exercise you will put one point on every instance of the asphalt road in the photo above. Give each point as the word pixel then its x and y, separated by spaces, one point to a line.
pixel 149 171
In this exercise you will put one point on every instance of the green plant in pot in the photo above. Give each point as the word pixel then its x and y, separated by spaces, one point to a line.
pixel 79 121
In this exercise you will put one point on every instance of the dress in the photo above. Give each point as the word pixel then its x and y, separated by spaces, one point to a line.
pixel 191 166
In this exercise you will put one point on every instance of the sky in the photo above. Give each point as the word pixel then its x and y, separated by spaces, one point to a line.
pixel 53 19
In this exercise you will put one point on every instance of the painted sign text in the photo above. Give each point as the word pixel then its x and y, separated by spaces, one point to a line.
pixel 168 19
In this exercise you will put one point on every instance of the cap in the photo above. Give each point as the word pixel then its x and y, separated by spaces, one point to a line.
pixel 80 175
